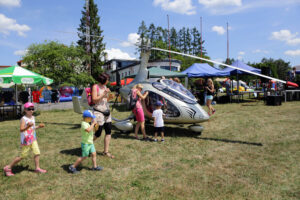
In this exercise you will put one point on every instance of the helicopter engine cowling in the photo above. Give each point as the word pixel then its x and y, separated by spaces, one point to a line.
pixel 124 125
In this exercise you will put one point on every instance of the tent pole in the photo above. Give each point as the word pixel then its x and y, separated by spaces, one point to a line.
pixel 186 82
pixel 16 93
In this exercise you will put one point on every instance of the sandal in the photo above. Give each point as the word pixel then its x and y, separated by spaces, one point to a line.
pixel 41 171
pixel 107 154
pixel 7 171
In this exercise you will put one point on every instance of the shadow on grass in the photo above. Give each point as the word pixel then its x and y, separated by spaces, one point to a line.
pixel 75 126
pixel 79 168
pixel 19 168
pixel 231 141
pixel 73 152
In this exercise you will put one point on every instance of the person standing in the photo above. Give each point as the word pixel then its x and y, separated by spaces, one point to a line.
pixel 138 110
pixel 158 121
pixel 101 111
pixel 210 92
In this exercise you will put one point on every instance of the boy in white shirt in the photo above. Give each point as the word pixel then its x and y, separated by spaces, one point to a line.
pixel 158 121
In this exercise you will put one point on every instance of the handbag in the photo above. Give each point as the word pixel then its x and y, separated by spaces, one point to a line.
pixel 106 113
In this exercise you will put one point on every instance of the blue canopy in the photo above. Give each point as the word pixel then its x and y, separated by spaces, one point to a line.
pixel 241 65
pixel 204 70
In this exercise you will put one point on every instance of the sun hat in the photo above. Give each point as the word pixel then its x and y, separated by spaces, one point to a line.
pixel 88 113
pixel 28 104
pixel 158 103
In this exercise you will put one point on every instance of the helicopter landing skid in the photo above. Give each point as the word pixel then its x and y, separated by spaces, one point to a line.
pixel 196 128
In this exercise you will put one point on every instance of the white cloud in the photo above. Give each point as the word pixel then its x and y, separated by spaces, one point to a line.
pixel 10 3
pixel 132 39
pixel 260 51
pixel 220 3
pixel 20 52
pixel 117 54
pixel 286 36
pixel 241 53
pixel 178 6
pixel 7 25
pixel 219 29
pixel 292 52
pixel 226 7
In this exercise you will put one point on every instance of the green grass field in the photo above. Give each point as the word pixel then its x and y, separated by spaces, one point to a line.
pixel 247 151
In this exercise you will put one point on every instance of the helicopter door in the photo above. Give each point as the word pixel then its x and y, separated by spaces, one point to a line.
pixel 168 108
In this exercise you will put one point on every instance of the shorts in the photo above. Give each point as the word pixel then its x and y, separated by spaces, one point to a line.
pixel 87 149
pixel 26 148
pixel 107 128
pixel 209 97
pixel 159 129
pixel 139 114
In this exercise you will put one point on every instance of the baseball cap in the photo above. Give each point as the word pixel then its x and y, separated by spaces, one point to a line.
pixel 88 113
pixel 28 104
pixel 158 103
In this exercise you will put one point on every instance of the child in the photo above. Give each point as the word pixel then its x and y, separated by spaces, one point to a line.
pixel 28 140
pixel 87 145
pixel 158 121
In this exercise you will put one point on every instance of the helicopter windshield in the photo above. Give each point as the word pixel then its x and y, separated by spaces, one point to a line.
pixel 178 87
pixel 168 108
pixel 175 93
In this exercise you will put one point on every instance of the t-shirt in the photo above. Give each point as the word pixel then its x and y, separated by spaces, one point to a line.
pixel 158 114
pixel 87 137
pixel 28 136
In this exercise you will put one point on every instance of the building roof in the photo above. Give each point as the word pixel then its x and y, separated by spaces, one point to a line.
pixel 156 72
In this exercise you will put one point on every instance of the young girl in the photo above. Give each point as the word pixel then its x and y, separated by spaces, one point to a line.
pixel 28 140
pixel 210 92
pixel 138 110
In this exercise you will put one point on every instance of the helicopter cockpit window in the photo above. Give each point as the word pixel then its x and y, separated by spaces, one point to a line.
pixel 178 87
pixel 168 108
pixel 168 89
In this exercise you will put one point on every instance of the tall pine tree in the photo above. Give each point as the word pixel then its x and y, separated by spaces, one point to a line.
pixel 96 45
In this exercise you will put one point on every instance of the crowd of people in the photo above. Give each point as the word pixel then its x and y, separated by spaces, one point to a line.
pixel 92 125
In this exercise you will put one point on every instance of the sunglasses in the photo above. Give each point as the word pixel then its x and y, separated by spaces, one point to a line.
pixel 30 109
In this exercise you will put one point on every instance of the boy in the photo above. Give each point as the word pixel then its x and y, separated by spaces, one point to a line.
pixel 158 121
pixel 87 145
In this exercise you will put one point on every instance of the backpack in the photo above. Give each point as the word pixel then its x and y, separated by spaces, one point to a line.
pixel 132 101
pixel 88 92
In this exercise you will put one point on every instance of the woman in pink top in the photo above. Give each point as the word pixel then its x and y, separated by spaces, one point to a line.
pixel 138 110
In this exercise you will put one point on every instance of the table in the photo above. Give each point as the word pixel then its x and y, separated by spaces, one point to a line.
pixel 291 91
pixel 10 112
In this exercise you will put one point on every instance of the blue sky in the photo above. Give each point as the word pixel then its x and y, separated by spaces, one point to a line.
pixel 258 28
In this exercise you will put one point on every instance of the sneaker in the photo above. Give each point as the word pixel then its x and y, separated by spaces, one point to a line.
pixel 73 169
pixel 7 171
pixel 41 171
pixel 154 140
pixel 98 168
pixel 162 140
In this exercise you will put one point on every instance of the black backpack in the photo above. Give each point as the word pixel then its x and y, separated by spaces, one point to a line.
pixel 132 101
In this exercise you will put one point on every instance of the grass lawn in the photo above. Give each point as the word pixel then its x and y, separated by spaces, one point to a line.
pixel 247 151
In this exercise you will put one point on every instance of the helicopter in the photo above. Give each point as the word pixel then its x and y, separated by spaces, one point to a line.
pixel 180 105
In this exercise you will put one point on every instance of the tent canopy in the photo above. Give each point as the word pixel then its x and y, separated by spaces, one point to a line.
pixel 156 72
pixel 20 75
pixel 241 65
pixel 204 70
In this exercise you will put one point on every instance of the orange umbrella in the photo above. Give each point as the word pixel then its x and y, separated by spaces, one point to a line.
pixel 128 80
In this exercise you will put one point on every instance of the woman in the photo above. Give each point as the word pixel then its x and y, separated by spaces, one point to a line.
pixel 138 110
pixel 101 111
pixel 210 92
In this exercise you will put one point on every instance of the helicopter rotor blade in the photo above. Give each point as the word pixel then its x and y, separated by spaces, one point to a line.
pixel 219 63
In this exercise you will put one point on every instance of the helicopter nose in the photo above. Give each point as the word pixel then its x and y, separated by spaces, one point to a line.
pixel 202 114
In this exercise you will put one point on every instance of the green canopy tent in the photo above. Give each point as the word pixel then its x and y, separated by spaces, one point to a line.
pixel 20 75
